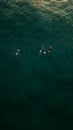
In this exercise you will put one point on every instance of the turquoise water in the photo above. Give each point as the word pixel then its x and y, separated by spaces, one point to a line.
pixel 36 92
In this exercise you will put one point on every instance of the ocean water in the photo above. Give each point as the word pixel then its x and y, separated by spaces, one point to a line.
pixel 36 91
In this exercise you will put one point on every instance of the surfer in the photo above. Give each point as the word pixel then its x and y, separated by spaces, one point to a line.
pixel 50 49
pixel 42 51
pixel 17 52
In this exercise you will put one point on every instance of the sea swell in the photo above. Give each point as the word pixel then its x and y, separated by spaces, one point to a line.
pixel 36 90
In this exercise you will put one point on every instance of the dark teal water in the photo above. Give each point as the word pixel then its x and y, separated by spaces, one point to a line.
pixel 36 92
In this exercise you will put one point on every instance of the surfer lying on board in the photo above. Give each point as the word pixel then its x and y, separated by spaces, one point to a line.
pixel 17 52
pixel 42 51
